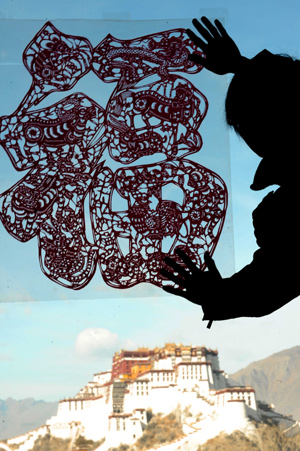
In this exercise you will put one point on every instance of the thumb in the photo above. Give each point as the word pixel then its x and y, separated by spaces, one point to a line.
pixel 197 59
pixel 210 263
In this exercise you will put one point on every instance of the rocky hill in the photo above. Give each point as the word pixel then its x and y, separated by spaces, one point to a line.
pixel 265 437
pixel 275 379
pixel 19 417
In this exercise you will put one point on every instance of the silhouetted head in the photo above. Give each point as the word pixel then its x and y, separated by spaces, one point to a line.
pixel 262 104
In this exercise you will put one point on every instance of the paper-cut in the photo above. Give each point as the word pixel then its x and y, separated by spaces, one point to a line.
pixel 151 111
pixel 193 225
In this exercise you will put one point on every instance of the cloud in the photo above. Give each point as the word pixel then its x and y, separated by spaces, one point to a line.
pixel 96 342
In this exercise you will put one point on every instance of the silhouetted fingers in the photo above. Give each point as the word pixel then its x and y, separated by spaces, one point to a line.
pixel 197 59
pixel 171 276
pixel 212 29
pixel 210 263
pixel 221 29
pixel 176 266
pixel 202 30
pixel 187 260
pixel 198 41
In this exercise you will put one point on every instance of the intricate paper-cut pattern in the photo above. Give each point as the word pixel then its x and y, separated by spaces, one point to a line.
pixel 151 111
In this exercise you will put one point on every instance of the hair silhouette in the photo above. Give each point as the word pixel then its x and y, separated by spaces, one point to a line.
pixel 264 94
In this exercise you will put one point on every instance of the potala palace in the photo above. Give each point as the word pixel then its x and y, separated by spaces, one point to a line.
pixel 173 377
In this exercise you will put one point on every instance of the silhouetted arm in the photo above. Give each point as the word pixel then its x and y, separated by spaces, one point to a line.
pixel 222 55
pixel 269 282
pixel 257 290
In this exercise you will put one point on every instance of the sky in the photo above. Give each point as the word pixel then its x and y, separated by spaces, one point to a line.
pixel 50 349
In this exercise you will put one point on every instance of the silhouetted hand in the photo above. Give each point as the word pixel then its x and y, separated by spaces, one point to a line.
pixel 222 54
pixel 194 284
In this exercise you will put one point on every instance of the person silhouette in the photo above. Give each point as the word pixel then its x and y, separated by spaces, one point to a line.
pixel 262 106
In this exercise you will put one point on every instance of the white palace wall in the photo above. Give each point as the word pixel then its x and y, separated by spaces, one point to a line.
pixel 122 429
pixel 164 399
pixel 233 417
pixel 117 412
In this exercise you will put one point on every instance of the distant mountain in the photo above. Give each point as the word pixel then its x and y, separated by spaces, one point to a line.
pixel 19 417
pixel 275 379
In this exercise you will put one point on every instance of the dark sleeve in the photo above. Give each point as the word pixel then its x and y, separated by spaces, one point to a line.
pixel 272 279
pixel 260 288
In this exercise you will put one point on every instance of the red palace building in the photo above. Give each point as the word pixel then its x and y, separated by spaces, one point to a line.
pixel 123 361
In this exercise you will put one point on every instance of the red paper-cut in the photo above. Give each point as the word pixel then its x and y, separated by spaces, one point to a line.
pixel 152 110
pixel 127 61
pixel 57 60
pixel 193 225
pixel 48 201
pixel 158 117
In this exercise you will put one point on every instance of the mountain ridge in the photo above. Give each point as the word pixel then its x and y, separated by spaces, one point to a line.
pixel 20 416
pixel 276 380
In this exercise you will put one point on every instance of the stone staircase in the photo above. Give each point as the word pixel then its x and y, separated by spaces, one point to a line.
pixel 118 393
pixel 78 432
pixel 205 399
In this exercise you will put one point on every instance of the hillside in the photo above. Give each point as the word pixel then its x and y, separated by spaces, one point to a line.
pixel 264 438
pixel 19 417
pixel 275 379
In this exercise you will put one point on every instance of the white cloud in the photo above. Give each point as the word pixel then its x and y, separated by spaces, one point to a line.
pixel 96 342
